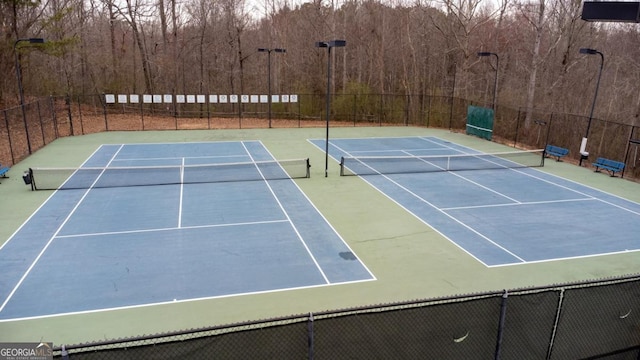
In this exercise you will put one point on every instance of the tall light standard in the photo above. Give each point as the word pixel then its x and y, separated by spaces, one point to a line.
pixel 495 84
pixel 268 51
pixel 583 153
pixel 329 45
pixel 20 89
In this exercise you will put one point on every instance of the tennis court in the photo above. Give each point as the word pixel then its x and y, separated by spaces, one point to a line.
pixel 503 211
pixel 144 224
pixel 66 258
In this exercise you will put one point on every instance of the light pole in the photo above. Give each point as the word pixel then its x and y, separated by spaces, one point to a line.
pixel 329 45
pixel 268 51
pixel 583 153
pixel 495 83
pixel 20 90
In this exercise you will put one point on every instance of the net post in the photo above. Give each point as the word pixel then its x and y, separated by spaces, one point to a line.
pixel 308 168
pixel 33 181
pixel 342 166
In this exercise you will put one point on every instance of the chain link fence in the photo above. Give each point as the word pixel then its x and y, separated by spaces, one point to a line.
pixel 589 320
pixel 26 129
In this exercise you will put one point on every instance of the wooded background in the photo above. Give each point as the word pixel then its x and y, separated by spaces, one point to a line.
pixel 393 47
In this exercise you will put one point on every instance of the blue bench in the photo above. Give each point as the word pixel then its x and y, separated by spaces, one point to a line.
pixel 3 171
pixel 556 151
pixel 611 166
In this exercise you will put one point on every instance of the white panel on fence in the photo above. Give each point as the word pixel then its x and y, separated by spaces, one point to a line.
pixel 264 98
pixel 275 98
pixel 254 99
pixel 147 98
pixel 233 98
pixel 180 99
pixel 245 99
pixel 134 98
pixel 157 99
pixel 110 98
pixel 285 98
pixel 122 99
pixel 167 98
pixel 200 99
pixel 223 98
pixel 293 98
pixel 213 99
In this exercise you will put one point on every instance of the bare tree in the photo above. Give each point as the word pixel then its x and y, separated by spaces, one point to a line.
pixel 133 13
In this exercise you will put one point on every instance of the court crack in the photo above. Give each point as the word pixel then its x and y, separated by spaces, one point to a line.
pixel 394 237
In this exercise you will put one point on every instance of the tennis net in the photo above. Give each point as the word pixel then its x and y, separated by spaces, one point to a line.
pixel 372 165
pixel 105 177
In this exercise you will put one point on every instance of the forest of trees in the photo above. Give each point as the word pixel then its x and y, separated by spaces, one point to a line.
pixel 393 47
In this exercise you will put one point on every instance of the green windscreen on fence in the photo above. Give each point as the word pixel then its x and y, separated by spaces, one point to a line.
pixel 480 122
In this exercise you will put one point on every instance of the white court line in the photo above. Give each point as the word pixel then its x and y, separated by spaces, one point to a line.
pixel 170 229
pixel 33 264
pixel 531 174
pixel 295 229
pixel 43 204
pixel 568 258
pixel 179 158
pixel 55 235
pixel 441 211
pixel 395 151
pixel 181 301
pixel 518 204
pixel 583 194
pixel 328 223
pixel 464 178
pixel 181 194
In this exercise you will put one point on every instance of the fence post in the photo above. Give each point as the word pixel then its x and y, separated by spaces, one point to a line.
pixel 67 101
pixel 104 111
pixel 515 140
pixel 6 122
pixel 429 110
pixel 555 323
pixel 451 112
pixel 503 314
pixel 310 336
pixel 407 109
pixel 626 151
pixel 546 141
pixel 44 142
pixel 381 109
pixel 355 109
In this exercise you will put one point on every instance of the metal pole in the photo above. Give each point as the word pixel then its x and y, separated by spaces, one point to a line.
pixel 328 45
pixel 595 97
pixel 583 155
pixel 501 324
pixel 326 153
pixel 269 83
pixel 20 88
pixel 21 92
pixel 495 83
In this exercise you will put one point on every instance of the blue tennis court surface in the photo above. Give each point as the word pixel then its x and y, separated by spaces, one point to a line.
pixel 500 216
pixel 90 248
